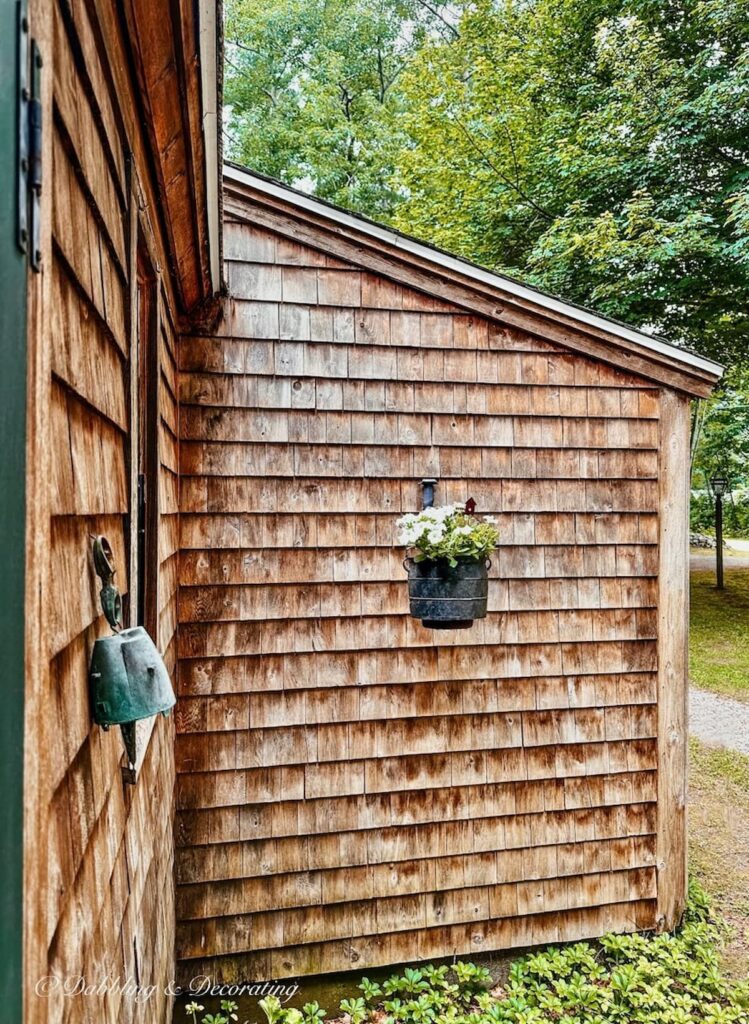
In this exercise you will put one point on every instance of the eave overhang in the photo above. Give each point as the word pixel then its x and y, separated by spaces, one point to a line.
pixel 407 261
pixel 177 65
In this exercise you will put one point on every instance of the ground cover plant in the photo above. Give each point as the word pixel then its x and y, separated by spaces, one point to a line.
pixel 621 979
pixel 719 633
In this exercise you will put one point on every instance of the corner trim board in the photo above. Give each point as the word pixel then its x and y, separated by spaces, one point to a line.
pixel 673 659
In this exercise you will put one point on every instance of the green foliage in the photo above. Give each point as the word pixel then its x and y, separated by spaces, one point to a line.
pixel 623 979
pixel 355 1009
pixel 735 514
pixel 273 1010
pixel 599 146
pixel 227 1014
pixel 722 447
pixel 720 442
pixel 371 990
pixel 312 1013
pixel 451 534
pixel 312 86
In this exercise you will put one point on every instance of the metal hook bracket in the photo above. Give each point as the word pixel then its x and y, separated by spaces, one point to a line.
pixel 109 595
pixel 428 485
pixel 111 604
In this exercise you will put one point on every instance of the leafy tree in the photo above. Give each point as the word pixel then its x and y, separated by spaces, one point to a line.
pixel 597 147
pixel 312 86
pixel 722 448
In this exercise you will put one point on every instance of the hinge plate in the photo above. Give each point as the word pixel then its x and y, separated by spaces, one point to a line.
pixel 22 70
pixel 29 141
pixel 35 157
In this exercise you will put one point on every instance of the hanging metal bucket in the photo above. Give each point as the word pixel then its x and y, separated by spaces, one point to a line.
pixel 447 598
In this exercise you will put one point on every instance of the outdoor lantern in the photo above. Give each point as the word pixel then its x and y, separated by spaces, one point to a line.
pixel 719 485
pixel 128 677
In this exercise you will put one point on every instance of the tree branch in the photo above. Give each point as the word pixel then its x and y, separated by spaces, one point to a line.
pixel 515 186
pixel 435 13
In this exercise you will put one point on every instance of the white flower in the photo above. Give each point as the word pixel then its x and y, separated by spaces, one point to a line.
pixel 465 531
pixel 490 519
pixel 410 537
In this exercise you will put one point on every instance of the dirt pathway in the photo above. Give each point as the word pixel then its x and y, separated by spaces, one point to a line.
pixel 719 843
pixel 719 721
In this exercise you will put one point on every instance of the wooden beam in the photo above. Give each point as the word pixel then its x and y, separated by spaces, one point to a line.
pixel 165 55
pixel 673 659
pixel 38 722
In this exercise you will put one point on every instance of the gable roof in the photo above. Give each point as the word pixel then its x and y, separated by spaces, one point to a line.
pixel 382 250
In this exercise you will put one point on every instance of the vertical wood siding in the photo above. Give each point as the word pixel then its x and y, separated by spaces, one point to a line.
pixel 353 789
pixel 99 878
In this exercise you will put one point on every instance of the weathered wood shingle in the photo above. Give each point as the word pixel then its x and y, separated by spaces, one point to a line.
pixel 354 789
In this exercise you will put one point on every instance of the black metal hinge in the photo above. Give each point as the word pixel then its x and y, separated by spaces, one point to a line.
pixel 29 142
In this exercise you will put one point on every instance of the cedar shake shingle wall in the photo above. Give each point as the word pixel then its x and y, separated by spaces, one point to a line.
pixel 99 893
pixel 355 790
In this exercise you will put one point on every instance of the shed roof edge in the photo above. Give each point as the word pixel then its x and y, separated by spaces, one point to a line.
pixel 680 357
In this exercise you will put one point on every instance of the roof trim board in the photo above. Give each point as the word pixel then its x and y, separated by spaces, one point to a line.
pixel 175 67
pixel 630 349
pixel 209 87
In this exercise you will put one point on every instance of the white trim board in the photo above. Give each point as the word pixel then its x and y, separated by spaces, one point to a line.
pixel 210 115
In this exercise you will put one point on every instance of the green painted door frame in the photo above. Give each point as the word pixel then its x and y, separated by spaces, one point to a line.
pixel 13 270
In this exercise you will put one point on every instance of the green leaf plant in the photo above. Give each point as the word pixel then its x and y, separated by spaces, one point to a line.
pixel 621 979
pixel 448 533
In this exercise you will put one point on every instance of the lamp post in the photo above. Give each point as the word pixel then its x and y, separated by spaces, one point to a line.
pixel 718 484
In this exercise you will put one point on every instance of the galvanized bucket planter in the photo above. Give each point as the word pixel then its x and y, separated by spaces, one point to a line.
pixel 447 598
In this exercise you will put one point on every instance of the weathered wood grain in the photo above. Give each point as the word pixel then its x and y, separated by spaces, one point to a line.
pixel 99 856
pixel 325 739
pixel 287 220
pixel 673 660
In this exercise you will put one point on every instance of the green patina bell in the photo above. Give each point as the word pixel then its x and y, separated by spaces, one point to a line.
pixel 129 680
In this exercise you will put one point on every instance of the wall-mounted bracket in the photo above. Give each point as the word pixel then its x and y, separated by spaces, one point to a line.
pixel 127 676
pixel 427 491
pixel 29 147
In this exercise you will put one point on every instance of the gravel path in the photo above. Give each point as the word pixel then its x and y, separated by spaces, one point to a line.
pixel 717 720
pixel 739 560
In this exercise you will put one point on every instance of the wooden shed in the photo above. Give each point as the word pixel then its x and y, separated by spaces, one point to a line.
pixel 344 788
pixel 354 789
pixel 110 243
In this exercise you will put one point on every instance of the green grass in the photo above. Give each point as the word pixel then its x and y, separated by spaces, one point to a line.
pixel 719 639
